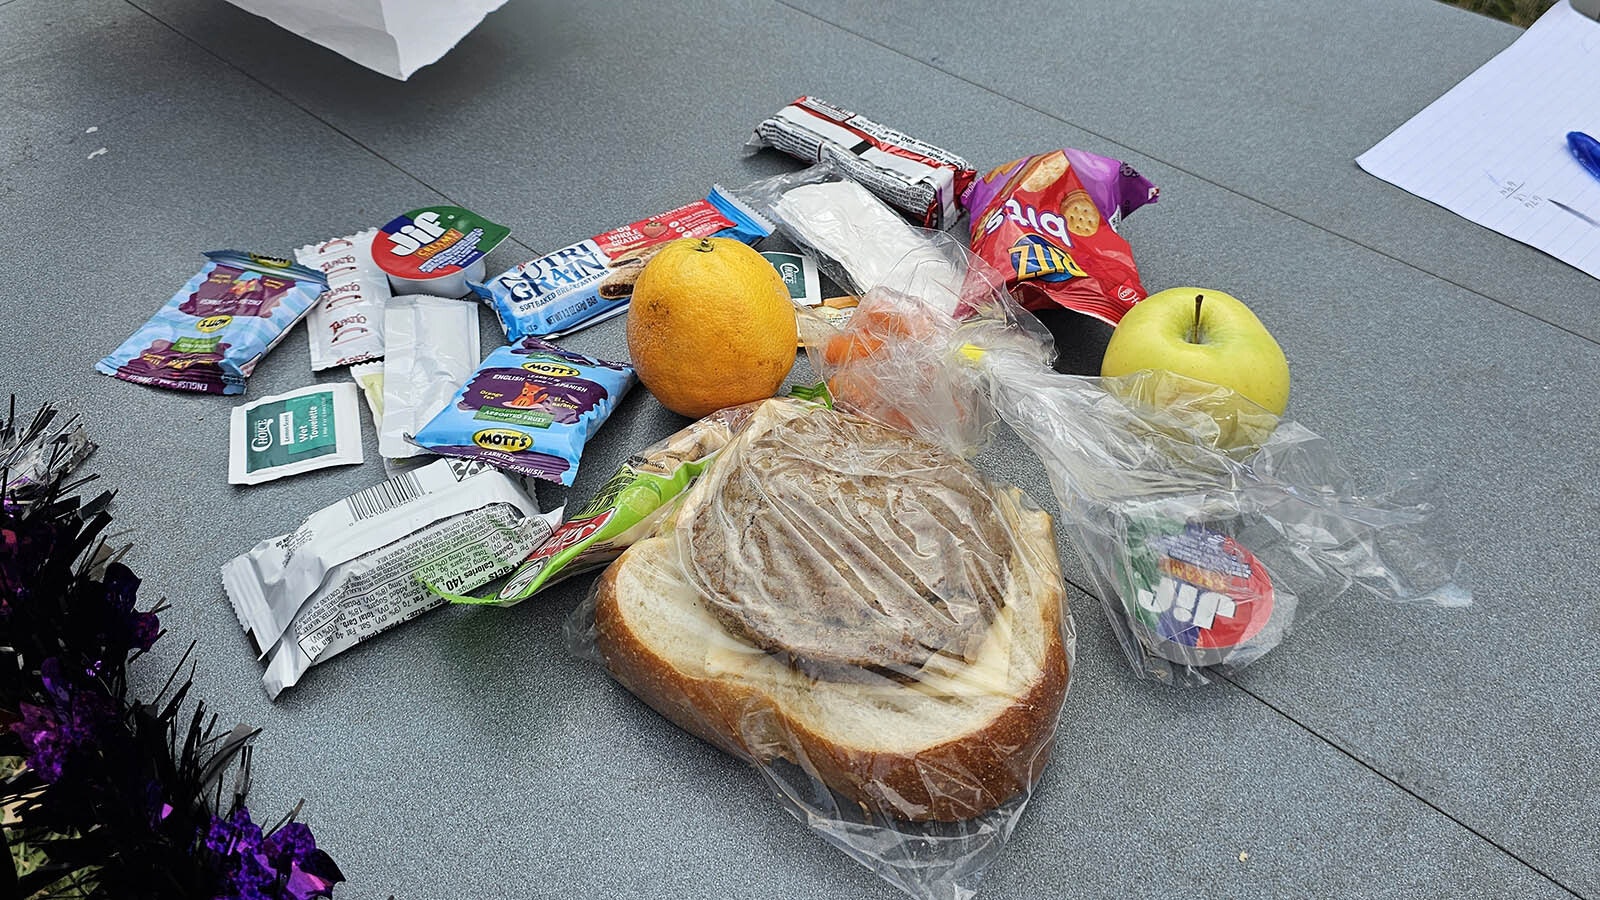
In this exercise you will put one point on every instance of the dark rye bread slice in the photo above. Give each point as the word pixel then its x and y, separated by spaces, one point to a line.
pixel 898 542
pixel 958 738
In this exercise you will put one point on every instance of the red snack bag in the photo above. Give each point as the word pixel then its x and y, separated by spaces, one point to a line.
pixel 1049 222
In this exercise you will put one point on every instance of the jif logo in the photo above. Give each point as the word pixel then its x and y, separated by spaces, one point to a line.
pixel 424 229
pixel 1188 604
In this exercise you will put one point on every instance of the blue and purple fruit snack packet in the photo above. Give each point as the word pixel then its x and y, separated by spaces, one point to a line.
pixel 529 409
pixel 215 329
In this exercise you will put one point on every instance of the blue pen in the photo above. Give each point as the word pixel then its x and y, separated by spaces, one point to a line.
pixel 1586 150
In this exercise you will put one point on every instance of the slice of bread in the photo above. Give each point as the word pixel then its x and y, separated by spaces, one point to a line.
pixel 947 741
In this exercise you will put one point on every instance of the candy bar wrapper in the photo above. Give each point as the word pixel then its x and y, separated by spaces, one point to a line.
pixel 217 327
pixel 379 558
pixel 592 280
pixel 920 180
pixel 346 325
pixel 1049 222
pixel 529 409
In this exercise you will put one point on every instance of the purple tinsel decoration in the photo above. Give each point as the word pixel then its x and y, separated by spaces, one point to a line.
pixel 127 777
pixel 74 722
pixel 131 629
pixel 284 865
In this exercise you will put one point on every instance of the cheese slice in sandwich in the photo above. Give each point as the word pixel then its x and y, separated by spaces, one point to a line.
pixel 854 601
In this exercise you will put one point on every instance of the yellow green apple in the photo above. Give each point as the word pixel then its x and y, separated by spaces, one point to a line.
pixel 1206 335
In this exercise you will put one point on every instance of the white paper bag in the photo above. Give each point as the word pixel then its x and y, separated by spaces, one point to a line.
pixel 395 37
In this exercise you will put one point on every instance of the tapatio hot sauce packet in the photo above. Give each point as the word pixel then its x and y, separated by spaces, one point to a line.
pixel 1050 223
pixel 346 325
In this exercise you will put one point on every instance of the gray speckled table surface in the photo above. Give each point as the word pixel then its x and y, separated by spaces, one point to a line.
pixel 1381 752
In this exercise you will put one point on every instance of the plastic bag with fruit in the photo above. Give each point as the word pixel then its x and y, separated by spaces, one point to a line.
pixel 1208 525
pixel 922 291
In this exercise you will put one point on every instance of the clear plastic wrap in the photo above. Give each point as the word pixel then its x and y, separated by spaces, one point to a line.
pixel 879 629
pixel 856 238
pixel 1207 525
pixel 1205 546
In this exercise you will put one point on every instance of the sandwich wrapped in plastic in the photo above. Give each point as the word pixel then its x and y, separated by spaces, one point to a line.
pixel 877 627
pixel 1209 526
pixel 627 508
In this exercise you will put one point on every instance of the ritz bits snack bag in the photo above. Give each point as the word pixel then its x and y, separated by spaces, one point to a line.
pixel 1050 223
pixel 591 281
pixel 215 329
pixel 529 409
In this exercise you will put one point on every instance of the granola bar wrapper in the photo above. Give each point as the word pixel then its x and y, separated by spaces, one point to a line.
pixel 1050 223
pixel 586 283
pixel 923 182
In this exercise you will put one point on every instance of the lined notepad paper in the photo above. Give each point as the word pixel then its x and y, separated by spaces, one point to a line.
pixel 1494 149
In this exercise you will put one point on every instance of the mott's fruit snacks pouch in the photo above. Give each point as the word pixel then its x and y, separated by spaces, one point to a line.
pixel 529 409
pixel 211 334
pixel 1050 223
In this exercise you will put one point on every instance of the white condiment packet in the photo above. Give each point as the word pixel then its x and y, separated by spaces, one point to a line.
pixel 346 325
pixel 311 428
pixel 432 348
pixel 842 221
pixel 369 376
pixel 375 559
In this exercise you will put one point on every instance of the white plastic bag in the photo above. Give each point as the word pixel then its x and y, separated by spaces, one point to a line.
pixel 394 37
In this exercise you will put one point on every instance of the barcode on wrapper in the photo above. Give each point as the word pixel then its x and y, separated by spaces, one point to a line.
pixel 380 498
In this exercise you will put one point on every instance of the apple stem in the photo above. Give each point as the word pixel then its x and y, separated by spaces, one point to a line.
pixel 1194 334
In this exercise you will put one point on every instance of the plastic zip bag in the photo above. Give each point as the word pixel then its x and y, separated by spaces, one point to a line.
pixel 1204 547
pixel 1209 526
pixel 857 240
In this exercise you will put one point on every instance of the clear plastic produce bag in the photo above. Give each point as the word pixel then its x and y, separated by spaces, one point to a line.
pixel 1207 525
pixel 1209 533
pixel 878 628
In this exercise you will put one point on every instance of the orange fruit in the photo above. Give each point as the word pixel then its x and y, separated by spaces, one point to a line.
pixel 710 325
